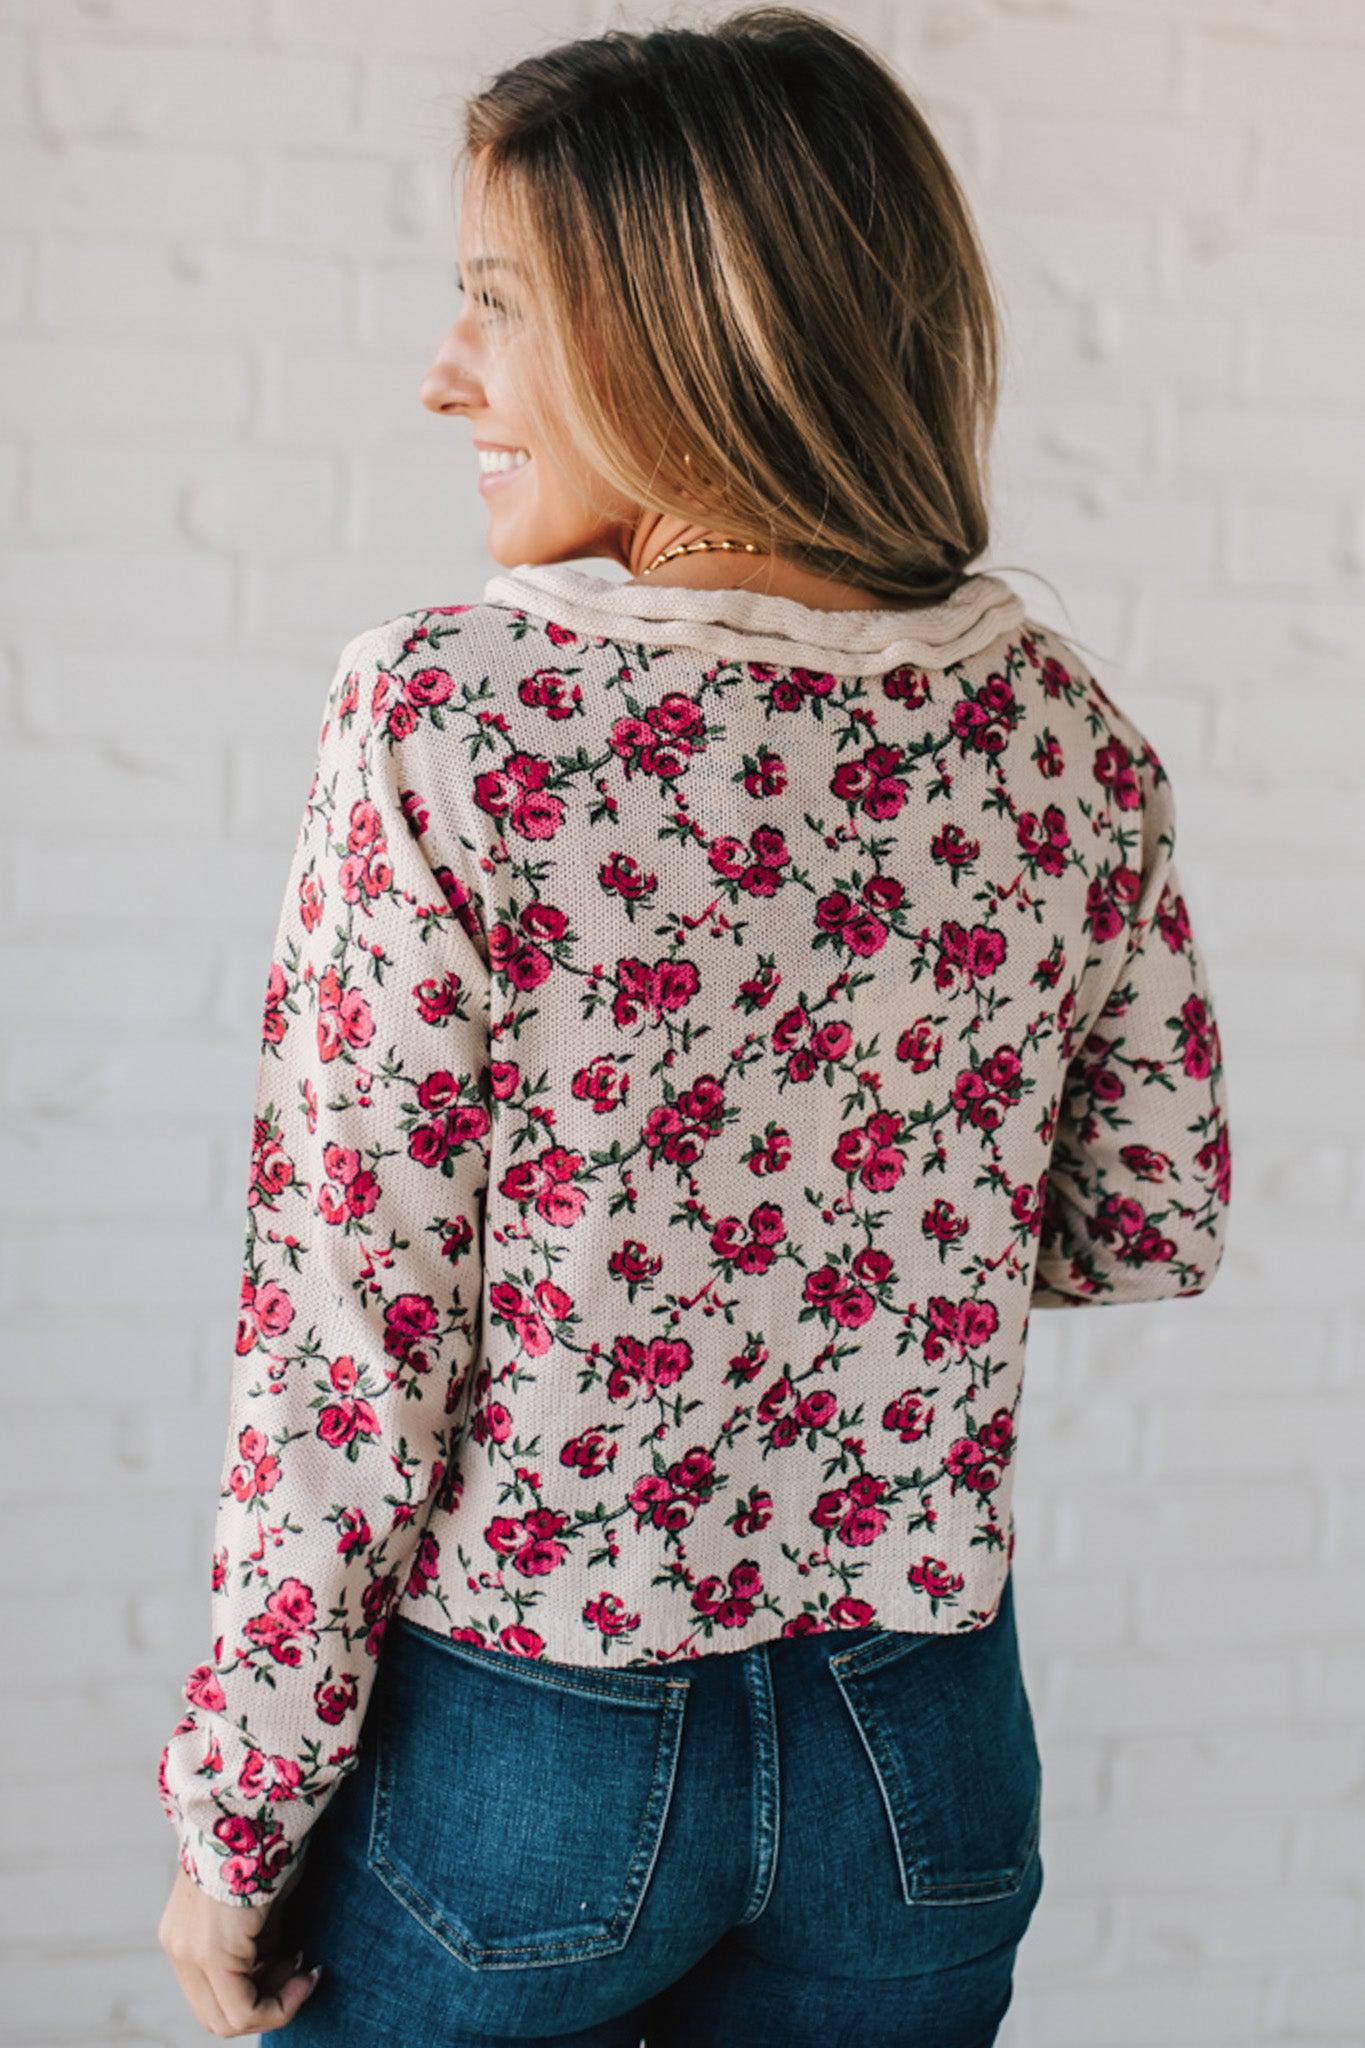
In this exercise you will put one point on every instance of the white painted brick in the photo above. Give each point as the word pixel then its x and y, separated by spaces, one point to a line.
pixel 122 189
pixel 58 1656
pixel 294 595
pixel 191 1265
pixel 1124 1694
pixel 1118 168
pixel 1157 1934
pixel 224 498
pixel 1327 1998
pixel 103 1360
pixel 272 504
pixel 429 26
pixel 1094 524
pixel 199 1074
pixel 111 1724
pixel 209 686
pixel 1241 14
pixel 138 20
pixel 51 1172
pixel 343 203
pixel 36 981
pixel 1100 1437
pixel 1315 179
pixel 82 488
pixel 306 392
pixel 268 785
pixel 399 303
pixel 1287 81
pixel 1314 538
pixel 1101 340
pixel 1343 1527
pixel 1271 1437
pixel 1308 356
pixel 1138 2012
pixel 1066 1939
pixel 1077 1773
pixel 1054 1610
pixel 1226 258
pixel 1074 437
pixel 415 508
pixel 11 481
pixel 959 53
pixel 109 1811
pixel 1198 1348
pixel 111 1899
pixel 167 93
pixel 132 388
pixel 1331 1845
pixel 135 1541
pixel 1168 1526
pixel 16 291
pixel 16 106
pixel 1334 1677
pixel 192 290
pixel 129 785
pixel 1232 1767
pixel 127 1995
pixel 1320 1006
pixel 1292 443
pixel 226 244
pixel 155 877
pixel 412 97
pixel 126 587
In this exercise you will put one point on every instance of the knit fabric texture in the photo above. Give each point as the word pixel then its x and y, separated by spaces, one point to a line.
pixel 700 1029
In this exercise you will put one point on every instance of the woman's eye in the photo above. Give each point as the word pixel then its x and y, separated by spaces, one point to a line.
pixel 485 299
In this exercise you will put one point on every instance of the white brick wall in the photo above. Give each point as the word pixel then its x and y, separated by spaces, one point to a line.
pixel 225 251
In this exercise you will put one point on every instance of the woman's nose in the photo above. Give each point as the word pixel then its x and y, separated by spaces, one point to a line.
pixel 448 385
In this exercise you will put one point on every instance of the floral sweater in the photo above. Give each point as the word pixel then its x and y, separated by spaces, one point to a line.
pixel 700 1028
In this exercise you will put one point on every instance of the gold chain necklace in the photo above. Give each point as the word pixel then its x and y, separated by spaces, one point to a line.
pixel 696 547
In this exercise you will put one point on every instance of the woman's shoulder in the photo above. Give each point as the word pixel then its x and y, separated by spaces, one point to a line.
pixel 1085 689
pixel 419 659
pixel 423 630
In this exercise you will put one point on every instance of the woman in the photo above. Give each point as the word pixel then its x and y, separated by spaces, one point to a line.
pixel 710 1008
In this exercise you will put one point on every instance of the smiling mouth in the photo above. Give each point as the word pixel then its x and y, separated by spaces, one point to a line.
pixel 495 463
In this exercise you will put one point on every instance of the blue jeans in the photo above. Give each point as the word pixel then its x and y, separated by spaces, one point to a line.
pixel 822 1841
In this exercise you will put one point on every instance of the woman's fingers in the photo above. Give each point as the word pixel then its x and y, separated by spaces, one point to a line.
pixel 272 1973
pixel 248 2009
pixel 200 1999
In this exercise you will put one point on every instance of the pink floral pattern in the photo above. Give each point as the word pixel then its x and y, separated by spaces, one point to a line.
pixel 680 1078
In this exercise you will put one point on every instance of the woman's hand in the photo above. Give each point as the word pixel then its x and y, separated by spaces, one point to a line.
pixel 228 1963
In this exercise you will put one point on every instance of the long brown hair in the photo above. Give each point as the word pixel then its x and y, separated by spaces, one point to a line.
pixel 749 251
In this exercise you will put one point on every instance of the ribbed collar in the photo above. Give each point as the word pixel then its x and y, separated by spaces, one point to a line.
pixel 755 626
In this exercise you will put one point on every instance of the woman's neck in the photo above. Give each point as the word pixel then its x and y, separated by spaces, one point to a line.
pixel 733 569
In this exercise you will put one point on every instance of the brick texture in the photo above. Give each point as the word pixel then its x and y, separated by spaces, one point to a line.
pixel 226 244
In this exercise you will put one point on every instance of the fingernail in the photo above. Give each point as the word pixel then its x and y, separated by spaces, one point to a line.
pixel 315 1973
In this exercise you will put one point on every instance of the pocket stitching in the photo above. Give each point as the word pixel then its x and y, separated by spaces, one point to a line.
pixel 915 1890
pixel 638 1688
pixel 882 1648
pixel 561 1948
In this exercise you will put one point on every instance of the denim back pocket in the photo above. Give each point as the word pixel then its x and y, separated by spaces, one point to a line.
pixel 946 1722
pixel 519 1807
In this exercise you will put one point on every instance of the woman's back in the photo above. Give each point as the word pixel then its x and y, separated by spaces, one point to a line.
pixel 788 963
pixel 699 1029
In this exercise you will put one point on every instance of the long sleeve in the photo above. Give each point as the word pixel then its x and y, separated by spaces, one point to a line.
pixel 360 1296
pixel 1136 1202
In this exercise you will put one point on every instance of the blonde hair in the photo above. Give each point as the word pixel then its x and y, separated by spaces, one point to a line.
pixel 764 297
